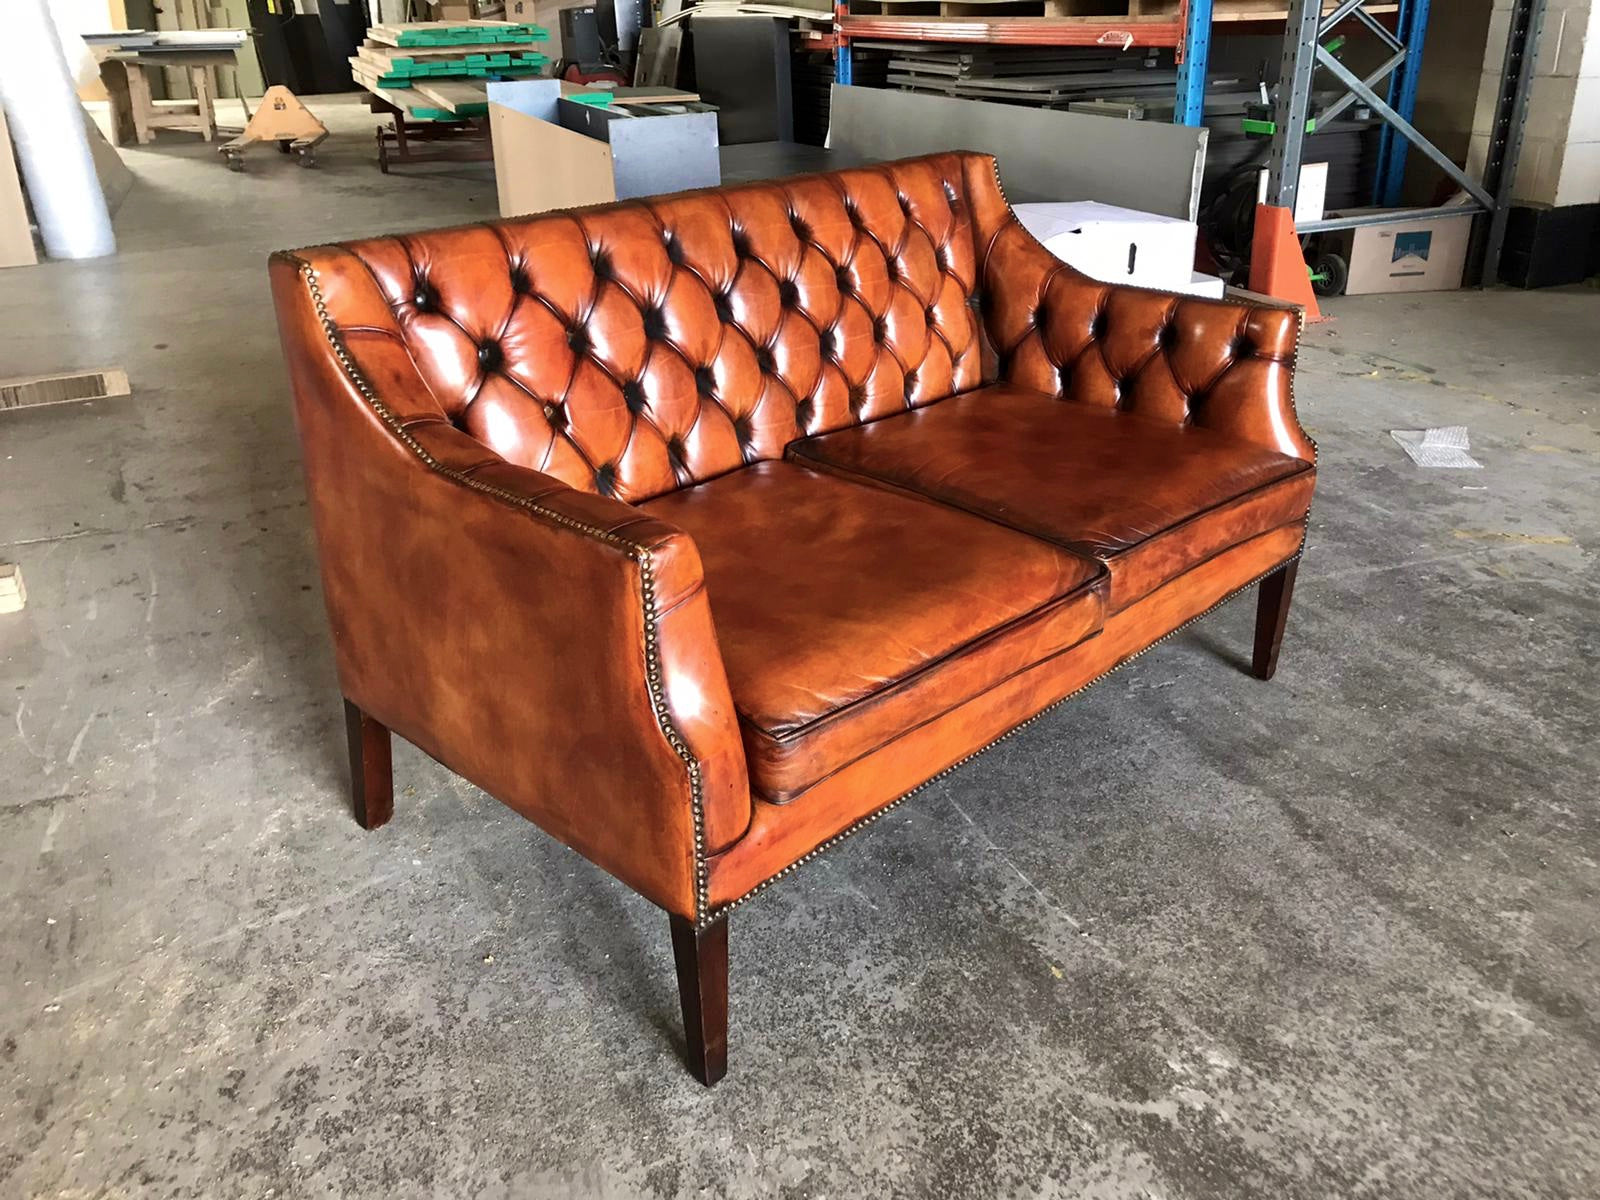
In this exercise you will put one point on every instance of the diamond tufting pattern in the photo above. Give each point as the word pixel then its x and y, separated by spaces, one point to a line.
pixel 640 347
pixel 1215 364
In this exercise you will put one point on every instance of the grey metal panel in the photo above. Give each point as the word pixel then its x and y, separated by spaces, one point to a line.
pixel 591 119
pixel 650 155
pixel 530 97
pixel 1044 154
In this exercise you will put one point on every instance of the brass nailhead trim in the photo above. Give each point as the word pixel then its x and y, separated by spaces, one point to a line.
pixel 639 553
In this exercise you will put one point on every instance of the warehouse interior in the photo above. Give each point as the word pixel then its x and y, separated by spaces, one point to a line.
pixel 1190 933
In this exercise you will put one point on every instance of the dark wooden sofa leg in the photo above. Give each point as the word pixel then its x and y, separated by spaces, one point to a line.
pixel 702 958
pixel 371 779
pixel 1272 613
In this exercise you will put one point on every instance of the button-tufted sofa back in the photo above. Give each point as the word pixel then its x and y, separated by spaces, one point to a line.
pixel 638 347
pixel 634 348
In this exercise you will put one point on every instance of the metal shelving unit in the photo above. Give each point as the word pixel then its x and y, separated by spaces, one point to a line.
pixel 1304 54
pixel 1187 33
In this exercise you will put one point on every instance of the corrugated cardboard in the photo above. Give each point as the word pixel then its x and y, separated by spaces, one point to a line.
pixel 1427 255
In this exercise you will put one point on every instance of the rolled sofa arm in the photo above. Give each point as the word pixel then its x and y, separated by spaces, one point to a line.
pixel 552 646
pixel 1221 364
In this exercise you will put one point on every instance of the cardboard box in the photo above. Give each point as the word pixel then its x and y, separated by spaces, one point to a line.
pixel 1427 255
pixel 1116 245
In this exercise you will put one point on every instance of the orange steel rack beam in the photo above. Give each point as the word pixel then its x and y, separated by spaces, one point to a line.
pixel 1124 33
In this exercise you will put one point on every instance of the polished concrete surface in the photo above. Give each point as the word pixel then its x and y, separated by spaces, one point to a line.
pixel 1190 935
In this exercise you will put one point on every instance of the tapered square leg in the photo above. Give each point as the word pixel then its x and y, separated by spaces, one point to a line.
pixel 371 777
pixel 702 958
pixel 1272 614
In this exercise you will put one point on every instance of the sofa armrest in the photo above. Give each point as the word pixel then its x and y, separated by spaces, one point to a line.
pixel 553 646
pixel 1221 364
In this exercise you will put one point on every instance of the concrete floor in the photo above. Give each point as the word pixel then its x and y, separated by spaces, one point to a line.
pixel 1189 936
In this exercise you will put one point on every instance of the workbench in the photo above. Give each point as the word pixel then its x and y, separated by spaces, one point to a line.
pixel 135 116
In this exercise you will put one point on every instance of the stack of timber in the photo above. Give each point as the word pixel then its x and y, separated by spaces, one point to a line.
pixel 437 72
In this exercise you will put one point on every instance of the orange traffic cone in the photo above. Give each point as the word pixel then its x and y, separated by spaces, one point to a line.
pixel 1277 267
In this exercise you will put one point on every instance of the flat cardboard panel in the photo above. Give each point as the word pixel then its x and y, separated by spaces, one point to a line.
pixel 1044 154
pixel 1115 245
pixel 16 239
pixel 538 165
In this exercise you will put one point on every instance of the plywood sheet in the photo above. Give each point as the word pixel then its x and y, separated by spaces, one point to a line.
pixel 538 165
pixel 16 239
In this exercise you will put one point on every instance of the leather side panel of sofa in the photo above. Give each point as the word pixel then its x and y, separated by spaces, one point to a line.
pixel 781 835
pixel 1222 364
pixel 553 647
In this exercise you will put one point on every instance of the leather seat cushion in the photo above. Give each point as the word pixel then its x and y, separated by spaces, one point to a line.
pixel 849 613
pixel 1149 498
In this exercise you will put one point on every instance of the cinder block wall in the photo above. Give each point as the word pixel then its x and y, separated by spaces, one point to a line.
pixel 1560 162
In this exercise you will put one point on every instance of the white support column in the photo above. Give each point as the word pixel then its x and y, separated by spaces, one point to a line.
pixel 46 123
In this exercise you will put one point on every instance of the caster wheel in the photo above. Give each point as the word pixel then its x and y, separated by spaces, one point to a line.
pixel 307 159
pixel 1330 274
pixel 235 163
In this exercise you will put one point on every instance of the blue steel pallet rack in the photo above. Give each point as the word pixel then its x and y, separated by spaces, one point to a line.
pixel 1188 33
pixel 1304 54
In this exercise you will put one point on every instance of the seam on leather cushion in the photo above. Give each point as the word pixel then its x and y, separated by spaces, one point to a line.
pixel 793 733
pixel 927 719
pixel 801 449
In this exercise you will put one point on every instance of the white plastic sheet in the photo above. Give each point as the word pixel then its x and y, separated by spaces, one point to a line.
pixel 1443 447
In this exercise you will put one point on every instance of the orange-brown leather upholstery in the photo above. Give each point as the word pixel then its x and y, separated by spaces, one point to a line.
pixel 634 349
pixel 1149 498
pixel 583 538
pixel 848 613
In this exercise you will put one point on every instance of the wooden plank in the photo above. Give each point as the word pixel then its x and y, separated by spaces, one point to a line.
pixel 412 102
pixel 389 53
pixel 431 33
pixel 468 99
pixel 16 238
pixel 1244 10
pixel 625 96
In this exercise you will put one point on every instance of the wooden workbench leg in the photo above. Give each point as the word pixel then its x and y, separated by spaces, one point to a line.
pixel 139 103
pixel 205 107
pixel 114 77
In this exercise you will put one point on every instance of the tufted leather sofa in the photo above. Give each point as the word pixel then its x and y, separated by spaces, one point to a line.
pixel 702 529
